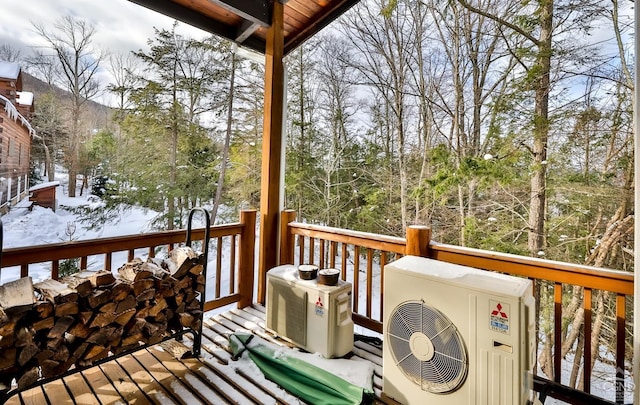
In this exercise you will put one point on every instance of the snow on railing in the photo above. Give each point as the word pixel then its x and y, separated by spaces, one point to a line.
pixel 13 113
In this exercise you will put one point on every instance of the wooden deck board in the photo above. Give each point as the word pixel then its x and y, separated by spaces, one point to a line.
pixel 167 378
pixel 159 374
pixel 34 396
pixel 145 380
pixel 195 385
pixel 57 393
pixel 99 383
pixel 126 387
pixel 80 391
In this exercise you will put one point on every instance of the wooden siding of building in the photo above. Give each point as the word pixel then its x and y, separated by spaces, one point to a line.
pixel 10 86
pixel 15 150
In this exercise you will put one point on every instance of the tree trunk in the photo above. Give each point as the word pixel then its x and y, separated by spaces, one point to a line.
pixel 227 141
pixel 536 238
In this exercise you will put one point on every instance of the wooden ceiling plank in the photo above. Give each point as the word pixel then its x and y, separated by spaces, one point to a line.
pixel 321 20
pixel 306 8
pixel 256 11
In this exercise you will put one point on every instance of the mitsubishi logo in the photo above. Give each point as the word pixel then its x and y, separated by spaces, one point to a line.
pixel 498 311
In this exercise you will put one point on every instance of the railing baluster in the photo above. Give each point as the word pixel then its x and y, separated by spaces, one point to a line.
pixel 321 242
pixel 586 359
pixel 356 277
pixel 232 265
pixel 383 262
pixel 83 263
pixel 108 261
pixel 344 261
pixel 369 281
pixel 55 269
pixel 332 254
pixel 301 251
pixel 218 266
pixel 620 346
pixel 24 270
pixel 131 255
pixel 312 250
pixel 557 332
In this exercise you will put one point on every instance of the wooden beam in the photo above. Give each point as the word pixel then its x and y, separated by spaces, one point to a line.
pixel 270 188
pixel 246 29
pixel 256 11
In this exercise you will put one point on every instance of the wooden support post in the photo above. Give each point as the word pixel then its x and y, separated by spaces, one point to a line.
pixel 246 261
pixel 270 187
pixel 418 238
pixel 287 240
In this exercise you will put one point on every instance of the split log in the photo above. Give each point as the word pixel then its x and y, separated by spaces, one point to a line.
pixel 81 285
pixel 28 378
pixel 126 304
pixel 44 309
pixel 62 354
pixel 85 317
pixel 146 295
pixel 99 278
pixel 46 323
pixel 102 319
pixel 7 358
pixel 8 329
pixel 142 285
pixel 17 294
pixel 27 353
pixel 124 317
pixel 60 327
pixel 197 269
pixel 139 270
pixel 7 340
pixel 67 308
pixel 48 368
pixel 182 259
pixel 93 354
pixel 80 330
pixel 56 292
pixel 98 297
pixel 24 337
pixel 121 290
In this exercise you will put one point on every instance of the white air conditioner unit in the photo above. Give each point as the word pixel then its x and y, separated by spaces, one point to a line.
pixel 456 335
pixel 313 316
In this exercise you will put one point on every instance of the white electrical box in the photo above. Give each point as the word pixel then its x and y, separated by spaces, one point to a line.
pixel 313 316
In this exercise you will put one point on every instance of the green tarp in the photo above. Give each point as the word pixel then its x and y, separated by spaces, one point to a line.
pixel 307 381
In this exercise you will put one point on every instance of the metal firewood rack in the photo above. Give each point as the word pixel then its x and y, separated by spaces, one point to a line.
pixel 196 332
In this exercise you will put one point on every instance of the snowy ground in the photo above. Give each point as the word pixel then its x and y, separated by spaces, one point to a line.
pixel 42 226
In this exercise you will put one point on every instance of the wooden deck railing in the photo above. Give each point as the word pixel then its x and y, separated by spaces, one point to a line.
pixel 357 254
pixel 235 272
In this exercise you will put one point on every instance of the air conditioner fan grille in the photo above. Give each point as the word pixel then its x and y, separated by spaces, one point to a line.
pixel 427 347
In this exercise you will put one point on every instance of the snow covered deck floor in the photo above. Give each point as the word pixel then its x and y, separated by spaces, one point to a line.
pixel 155 375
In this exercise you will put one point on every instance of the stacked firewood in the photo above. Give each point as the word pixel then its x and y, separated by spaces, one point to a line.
pixel 49 327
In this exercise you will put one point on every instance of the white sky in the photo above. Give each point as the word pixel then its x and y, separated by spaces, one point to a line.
pixel 121 26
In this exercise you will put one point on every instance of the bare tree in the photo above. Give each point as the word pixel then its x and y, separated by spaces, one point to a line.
pixel 77 63
pixel 9 53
